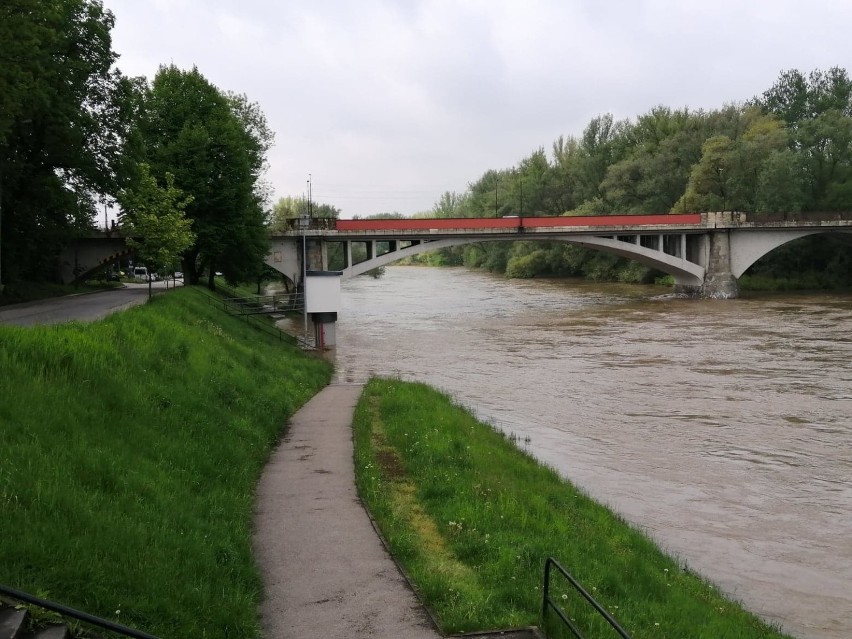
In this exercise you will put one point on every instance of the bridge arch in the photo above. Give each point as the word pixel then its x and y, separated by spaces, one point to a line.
pixel 85 256
pixel 685 272
pixel 360 268
pixel 748 248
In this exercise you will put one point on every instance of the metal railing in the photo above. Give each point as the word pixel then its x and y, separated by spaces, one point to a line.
pixel 549 602
pixel 250 318
pixel 309 224
pixel 65 611
pixel 260 304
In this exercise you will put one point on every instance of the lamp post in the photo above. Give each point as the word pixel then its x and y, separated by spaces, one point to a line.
pixel 310 202
pixel 496 185
pixel 305 225
pixel 518 177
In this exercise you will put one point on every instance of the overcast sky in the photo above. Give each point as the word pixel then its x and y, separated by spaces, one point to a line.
pixel 386 104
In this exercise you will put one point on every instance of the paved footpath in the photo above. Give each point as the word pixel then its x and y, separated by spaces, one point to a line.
pixel 326 574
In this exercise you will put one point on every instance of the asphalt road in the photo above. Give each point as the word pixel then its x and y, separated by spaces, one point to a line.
pixel 82 308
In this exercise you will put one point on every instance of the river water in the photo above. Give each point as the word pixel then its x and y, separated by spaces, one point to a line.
pixel 721 428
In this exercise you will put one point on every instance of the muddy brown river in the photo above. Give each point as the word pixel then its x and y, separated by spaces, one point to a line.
pixel 721 428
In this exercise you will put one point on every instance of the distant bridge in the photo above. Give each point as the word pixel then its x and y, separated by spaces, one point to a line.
pixel 704 252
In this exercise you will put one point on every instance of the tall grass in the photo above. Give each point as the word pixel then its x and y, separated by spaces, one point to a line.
pixel 129 453
pixel 473 519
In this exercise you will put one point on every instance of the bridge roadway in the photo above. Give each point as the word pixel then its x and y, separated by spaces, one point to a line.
pixel 704 252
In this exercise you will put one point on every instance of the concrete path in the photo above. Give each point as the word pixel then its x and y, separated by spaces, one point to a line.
pixel 326 574
pixel 86 307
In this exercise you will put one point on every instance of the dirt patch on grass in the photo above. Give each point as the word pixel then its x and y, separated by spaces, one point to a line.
pixel 389 463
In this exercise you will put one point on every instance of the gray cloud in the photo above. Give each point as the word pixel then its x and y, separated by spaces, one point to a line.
pixel 387 104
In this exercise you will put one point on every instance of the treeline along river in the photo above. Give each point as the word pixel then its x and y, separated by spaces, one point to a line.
pixel 721 428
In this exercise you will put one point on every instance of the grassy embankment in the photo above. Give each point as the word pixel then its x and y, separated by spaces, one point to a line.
pixel 130 452
pixel 472 519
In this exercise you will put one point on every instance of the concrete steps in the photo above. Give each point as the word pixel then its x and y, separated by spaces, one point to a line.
pixel 13 625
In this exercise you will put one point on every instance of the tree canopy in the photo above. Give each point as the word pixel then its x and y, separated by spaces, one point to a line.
pixel 154 221
pixel 65 127
pixel 74 133
pixel 214 144
pixel 788 150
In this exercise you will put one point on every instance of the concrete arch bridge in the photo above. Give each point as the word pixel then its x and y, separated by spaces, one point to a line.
pixel 704 252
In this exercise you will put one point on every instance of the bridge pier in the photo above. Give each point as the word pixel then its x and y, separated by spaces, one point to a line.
pixel 719 281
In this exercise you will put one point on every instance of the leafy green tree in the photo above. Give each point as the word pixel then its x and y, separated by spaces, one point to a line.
pixel 780 186
pixel 214 144
pixel 603 143
pixel 288 209
pixel 153 220
pixel 66 121
pixel 818 112
pixel 664 145
pixel 450 205
pixel 795 98
pixel 731 174
pixel 826 151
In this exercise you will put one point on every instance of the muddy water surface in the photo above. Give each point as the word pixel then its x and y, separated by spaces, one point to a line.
pixel 723 429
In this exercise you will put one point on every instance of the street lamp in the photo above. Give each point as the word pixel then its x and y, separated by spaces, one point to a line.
pixel 496 184
pixel 310 202
pixel 518 176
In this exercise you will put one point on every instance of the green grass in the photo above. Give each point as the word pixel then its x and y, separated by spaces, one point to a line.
pixel 130 452
pixel 473 519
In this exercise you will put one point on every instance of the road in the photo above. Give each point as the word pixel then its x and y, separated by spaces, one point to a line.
pixel 82 308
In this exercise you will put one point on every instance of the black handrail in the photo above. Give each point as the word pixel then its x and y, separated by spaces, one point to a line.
pixel 74 614
pixel 264 304
pixel 547 601
pixel 261 325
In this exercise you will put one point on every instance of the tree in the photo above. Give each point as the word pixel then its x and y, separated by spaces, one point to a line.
pixel 603 143
pixel 818 112
pixel 65 126
pixel 735 173
pixel 288 209
pixel 214 144
pixel 664 145
pixel 795 98
pixel 154 221
pixel 449 205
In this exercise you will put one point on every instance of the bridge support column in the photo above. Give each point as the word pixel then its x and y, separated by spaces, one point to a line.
pixel 317 255
pixel 719 281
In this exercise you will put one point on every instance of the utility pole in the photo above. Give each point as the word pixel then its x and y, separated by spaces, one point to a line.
pixel 521 183
pixel 496 185
pixel 305 261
